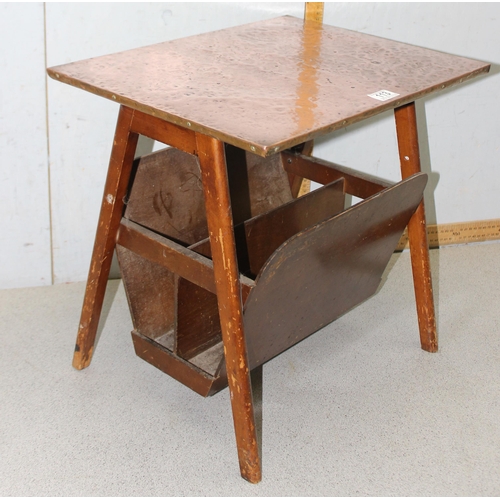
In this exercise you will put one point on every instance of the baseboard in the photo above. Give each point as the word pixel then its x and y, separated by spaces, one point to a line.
pixel 456 233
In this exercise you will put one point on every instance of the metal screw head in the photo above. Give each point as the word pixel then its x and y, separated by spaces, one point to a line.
pixel 188 124
pixel 407 158
pixel 252 148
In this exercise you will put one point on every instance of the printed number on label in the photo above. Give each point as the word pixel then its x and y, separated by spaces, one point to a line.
pixel 383 95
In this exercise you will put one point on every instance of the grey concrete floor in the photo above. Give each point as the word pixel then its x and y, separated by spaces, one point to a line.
pixel 356 409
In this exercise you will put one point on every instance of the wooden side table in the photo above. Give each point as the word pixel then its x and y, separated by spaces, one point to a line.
pixel 263 88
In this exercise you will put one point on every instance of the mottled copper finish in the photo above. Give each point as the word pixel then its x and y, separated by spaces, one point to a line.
pixel 269 85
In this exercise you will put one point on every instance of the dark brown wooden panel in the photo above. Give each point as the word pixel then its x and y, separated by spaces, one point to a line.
pixel 256 184
pixel 167 196
pixel 258 237
pixel 198 323
pixel 324 271
pixel 150 292
pixel 265 233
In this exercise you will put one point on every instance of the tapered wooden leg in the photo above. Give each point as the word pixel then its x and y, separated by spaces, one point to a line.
pixel 120 165
pixel 406 127
pixel 220 225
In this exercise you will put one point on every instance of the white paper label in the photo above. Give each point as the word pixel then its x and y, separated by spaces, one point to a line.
pixel 383 95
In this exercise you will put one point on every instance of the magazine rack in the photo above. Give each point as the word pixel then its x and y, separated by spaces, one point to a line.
pixel 303 262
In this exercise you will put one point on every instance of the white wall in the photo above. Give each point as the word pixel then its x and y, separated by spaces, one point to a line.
pixel 460 142
pixel 24 190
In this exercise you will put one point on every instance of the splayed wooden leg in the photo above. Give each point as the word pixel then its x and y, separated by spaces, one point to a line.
pixel 406 127
pixel 220 225
pixel 120 166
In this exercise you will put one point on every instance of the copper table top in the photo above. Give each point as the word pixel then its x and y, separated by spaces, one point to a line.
pixel 269 85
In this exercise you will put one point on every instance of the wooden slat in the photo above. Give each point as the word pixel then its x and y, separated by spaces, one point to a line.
pixel 180 260
pixel 172 365
pixel 308 89
pixel 356 183
pixel 163 131
pixel 314 11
